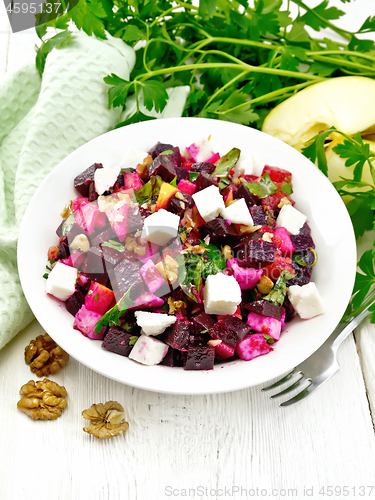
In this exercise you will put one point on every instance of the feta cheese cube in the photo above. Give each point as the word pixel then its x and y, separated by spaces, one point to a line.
pixel 133 157
pixel 209 202
pixel 148 351
pixel 244 166
pixel 201 150
pixel 61 282
pixel 104 178
pixel 153 323
pixel 160 227
pixel 290 218
pixel 238 213
pixel 306 300
pixel 222 294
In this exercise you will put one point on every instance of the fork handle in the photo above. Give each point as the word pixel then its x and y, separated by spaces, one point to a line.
pixel 342 331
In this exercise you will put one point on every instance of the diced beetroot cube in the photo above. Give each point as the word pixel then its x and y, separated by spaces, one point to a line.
pixel 230 330
pixel 85 321
pixel 202 322
pixel 252 346
pixel 117 217
pixel 214 158
pixel 224 351
pixel 246 277
pixel 219 231
pixel 302 276
pixel 178 335
pixel 132 180
pixel 99 298
pixel 78 202
pixel 265 308
pixel 101 222
pixel 204 180
pixel 126 275
pixel 201 150
pixel 286 243
pixel 182 173
pixel 203 166
pixel 84 179
pixel 273 200
pixel 200 357
pixel 174 358
pixel 246 194
pixel 277 174
pixel 280 264
pixel 258 215
pixel 177 206
pixel 264 324
pixel 187 187
pixel 75 302
pixel 256 253
pixel 164 167
pixel 112 257
pixel 107 234
pixel 77 258
pixel 302 242
pixel 158 148
pixel 117 340
pixel 151 276
pixel 135 219
pixel 147 299
pixel 94 267
pixel 86 216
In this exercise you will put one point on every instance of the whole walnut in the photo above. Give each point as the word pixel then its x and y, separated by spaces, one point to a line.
pixel 44 356
pixel 42 400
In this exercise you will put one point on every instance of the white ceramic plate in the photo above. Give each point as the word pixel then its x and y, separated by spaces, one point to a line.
pixel 314 196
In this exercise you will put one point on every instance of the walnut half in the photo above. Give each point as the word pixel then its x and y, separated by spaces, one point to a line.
pixel 42 400
pixel 44 356
pixel 107 420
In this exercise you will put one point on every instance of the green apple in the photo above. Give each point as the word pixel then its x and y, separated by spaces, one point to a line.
pixel 347 103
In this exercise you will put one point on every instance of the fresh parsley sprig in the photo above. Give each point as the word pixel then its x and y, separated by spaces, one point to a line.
pixel 239 60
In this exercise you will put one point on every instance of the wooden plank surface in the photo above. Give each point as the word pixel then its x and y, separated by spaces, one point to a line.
pixel 235 440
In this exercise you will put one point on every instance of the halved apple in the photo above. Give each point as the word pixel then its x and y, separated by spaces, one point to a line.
pixel 347 103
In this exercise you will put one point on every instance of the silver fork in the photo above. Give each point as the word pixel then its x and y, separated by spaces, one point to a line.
pixel 321 365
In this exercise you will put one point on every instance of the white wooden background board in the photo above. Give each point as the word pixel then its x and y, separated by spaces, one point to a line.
pixel 185 446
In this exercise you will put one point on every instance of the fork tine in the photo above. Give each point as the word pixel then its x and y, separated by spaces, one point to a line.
pixel 279 382
pixel 290 388
pixel 306 391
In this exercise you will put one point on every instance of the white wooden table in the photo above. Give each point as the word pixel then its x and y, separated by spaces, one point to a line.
pixel 235 445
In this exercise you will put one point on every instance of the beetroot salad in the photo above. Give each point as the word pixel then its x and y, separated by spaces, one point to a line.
pixel 183 260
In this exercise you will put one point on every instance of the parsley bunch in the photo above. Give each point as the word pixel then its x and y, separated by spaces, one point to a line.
pixel 239 61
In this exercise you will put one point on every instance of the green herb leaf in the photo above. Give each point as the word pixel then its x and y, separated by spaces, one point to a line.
pixel 167 152
pixel 356 152
pixel 116 245
pixel 286 188
pixel 52 43
pixel 364 280
pixel 174 182
pixel 154 95
pixel 118 93
pixel 315 150
pixel 268 338
pixel 265 187
pixel 133 340
pixel 278 292
pixel 226 163
pixel 96 297
pixel 67 225
pixel 319 16
pixel 112 317
pixel 193 176
pixel 45 275
pixel 149 190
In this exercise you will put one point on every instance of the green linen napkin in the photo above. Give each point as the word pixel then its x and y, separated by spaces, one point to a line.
pixel 42 121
